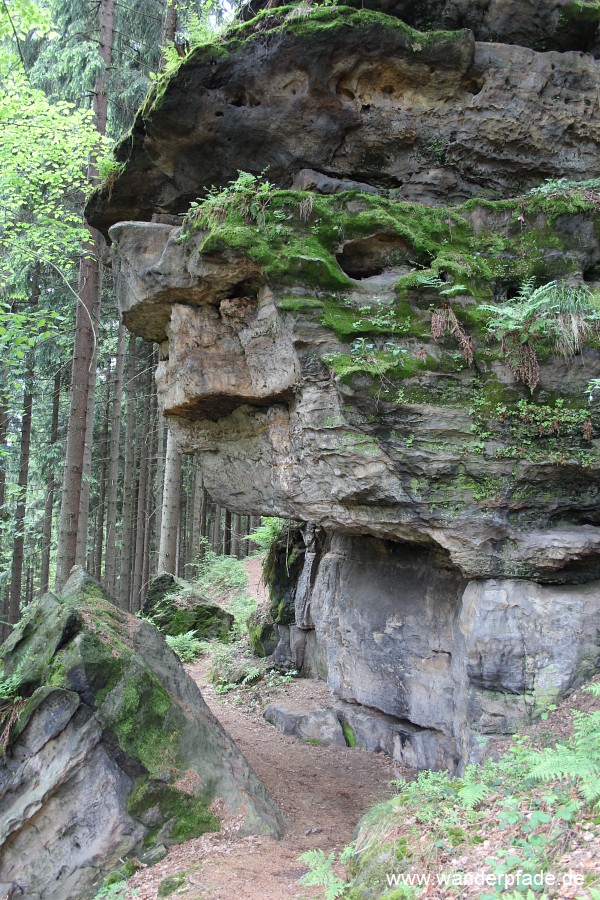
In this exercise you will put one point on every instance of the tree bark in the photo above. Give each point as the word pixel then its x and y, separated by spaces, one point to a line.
pixel 101 513
pixel 160 485
pixel 150 516
pixel 16 582
pixel 3 437
pixel 227 534
pixel 141 521
pixel 50 491
pixel 235 535
pixel 128 478
pixel 217 541
pixel 167 556
pixel 85 344
pixel 110 576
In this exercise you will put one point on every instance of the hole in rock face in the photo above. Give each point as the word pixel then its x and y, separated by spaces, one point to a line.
pixel 370 256
pixel 593 273
pixel 472 85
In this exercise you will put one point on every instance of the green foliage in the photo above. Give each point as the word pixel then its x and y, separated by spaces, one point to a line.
pixel 170 884
pixel 268 532
pixel 535 797
pixel 224 580
pixel 9 688
pixel 321 873
pixel 553 187
pixel 115 890
pixel 186 646
pixel 349 735
pixel 248 197
pixel 577 760
pixel 562 315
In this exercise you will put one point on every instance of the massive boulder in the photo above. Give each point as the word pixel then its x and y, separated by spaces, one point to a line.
pixel 360 96
pixel 109 751
pixel 328 348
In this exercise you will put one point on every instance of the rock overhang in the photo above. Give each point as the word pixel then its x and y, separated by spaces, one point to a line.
pixel 358 95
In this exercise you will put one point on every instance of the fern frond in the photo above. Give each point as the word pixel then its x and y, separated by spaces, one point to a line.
pixel 594 689
pixel 562 762
pixel 590 791
pixel 472 793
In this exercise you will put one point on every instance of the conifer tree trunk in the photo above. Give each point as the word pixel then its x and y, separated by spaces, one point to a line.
pixel 3 436
pixel 85 335
pixel 113 467
pixel 217 543
pixel 235 535
pixel 81 547
pixel 16 582
pixel 128 478
pixel 50 491
pixel 196 512
pixel 160 484
pixel 170 25
pixel 99 525
pixel 227 534
pixel 150 516
pixel 167 556
pixel 141 521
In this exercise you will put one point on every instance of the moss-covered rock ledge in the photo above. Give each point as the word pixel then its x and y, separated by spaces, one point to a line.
pixel 109 749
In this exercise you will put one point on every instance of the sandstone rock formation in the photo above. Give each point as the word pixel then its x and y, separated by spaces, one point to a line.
pixel 329 349
pixel 176 608
pixel 113 749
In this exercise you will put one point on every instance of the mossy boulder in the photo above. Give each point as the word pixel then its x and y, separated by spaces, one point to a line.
pixel 106 713
pixel 261 633
pixel 176 608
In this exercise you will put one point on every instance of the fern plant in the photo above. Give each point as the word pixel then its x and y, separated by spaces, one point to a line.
pixel 249 196
pixel 186 646
pixel 578 760
pixel 562 314
pixel 321 872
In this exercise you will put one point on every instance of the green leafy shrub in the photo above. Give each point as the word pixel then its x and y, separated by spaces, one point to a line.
pixel 321 872
pixel 186 646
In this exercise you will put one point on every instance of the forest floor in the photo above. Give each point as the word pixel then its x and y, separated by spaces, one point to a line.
pixel 321 791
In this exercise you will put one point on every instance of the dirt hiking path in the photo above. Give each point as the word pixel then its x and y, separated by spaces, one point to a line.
pixel 321 791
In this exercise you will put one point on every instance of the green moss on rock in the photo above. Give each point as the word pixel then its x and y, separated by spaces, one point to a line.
pixel 185 816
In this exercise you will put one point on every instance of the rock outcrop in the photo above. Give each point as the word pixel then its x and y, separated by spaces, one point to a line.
pixel 176 607
pixel 329 346
pixel 111 749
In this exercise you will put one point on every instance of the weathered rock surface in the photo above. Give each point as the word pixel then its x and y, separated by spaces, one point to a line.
pixel 541 24
pixel 113 749
pixel 342 451
pixel 458 510
pixel 355 95
pixel 176 608
pixel 447 662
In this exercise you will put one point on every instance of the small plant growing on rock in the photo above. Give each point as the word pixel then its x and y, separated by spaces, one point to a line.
pixel 249 195
pixel 563 315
